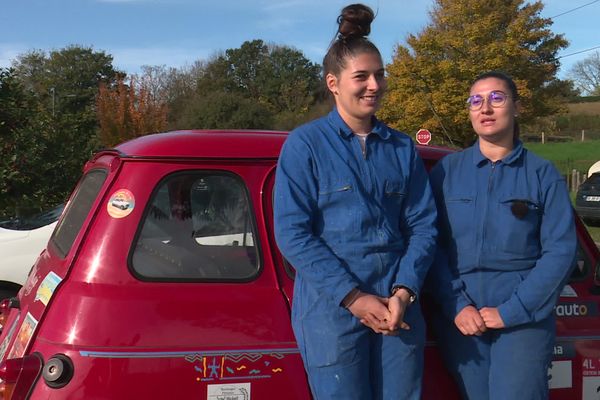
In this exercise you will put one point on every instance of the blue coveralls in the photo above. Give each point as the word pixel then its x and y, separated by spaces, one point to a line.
pixel 345 219
pixel 507 240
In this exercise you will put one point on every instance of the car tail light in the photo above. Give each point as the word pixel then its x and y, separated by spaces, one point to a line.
pixel 5 306
pixel 17 376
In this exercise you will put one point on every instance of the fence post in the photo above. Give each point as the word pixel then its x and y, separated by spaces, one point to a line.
pixel 543 137
pixel 573 180
pixel 582 135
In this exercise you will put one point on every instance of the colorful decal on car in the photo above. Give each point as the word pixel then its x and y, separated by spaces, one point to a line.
pixel 31 281
pixel 236 366
pixel 47 288
pixel 591 378
pixel 120 204
pixel 587 309
pixel 560 374
pixel 231 391
pixel 23 337
pixel 8 337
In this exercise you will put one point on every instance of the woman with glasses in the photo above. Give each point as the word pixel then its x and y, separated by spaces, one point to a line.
pixel 506 247
pixel 355 216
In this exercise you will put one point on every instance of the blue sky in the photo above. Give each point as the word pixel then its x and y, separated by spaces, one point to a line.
pixel 178 32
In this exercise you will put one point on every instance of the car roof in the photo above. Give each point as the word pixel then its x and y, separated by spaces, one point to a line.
pixel 233 144
pixel 206 144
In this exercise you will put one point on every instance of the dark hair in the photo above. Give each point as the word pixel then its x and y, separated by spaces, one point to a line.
pixel 351 38
pixel 512 87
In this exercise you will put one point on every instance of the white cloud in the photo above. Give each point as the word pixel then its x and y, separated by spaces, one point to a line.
pixel 131 60
pixel 9 53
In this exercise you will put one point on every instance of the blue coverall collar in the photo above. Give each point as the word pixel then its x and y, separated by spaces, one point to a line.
pixel 344 130
pixel 479 159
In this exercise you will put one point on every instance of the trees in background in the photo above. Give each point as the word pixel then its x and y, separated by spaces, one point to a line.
pixel 21 145
pixel 429 80
pixel 254 86
pixel 57 108
pixel 586 75
pixel 127 110
pixel 54 101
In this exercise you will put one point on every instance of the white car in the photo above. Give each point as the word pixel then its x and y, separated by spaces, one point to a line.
pixel 21 242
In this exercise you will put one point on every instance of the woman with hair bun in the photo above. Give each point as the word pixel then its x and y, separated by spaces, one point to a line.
pixel 354 214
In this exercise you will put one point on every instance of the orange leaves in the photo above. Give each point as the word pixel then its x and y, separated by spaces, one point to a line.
pixel 125 111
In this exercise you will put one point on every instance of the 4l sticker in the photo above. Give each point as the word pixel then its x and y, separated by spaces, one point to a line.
pixel 120 204
pixel 590 372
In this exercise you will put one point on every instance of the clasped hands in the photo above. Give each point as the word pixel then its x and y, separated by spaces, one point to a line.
pixel 383 315
pixel 471 321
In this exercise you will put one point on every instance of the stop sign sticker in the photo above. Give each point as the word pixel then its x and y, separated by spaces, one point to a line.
pixel 423 136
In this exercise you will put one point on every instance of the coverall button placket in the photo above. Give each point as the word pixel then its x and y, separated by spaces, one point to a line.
pixel 487 204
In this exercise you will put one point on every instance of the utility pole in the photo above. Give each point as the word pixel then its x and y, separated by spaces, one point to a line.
pixel 52 90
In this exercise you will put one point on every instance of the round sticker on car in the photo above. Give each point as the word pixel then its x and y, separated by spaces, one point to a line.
pixel 120 204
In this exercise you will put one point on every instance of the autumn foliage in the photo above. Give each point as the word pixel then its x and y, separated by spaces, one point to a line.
pixel 128 110
pixel 429 79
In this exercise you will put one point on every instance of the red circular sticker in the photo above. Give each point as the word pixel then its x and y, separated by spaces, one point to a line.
pixel 120 204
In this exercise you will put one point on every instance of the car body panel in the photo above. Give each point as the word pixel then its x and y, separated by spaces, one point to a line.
pixel 21 242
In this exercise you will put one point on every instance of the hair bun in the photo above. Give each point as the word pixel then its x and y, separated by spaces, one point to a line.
pixel 355 21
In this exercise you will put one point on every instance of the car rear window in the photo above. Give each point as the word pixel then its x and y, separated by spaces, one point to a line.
pixel 77 210
pixel 198 227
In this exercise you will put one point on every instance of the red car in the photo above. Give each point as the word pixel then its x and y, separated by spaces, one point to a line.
pixel 162 280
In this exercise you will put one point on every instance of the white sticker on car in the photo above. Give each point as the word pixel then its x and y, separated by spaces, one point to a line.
pixel 120 204
pixel 231 391
pixel 560 375
pixel 591 388
pixel 592 198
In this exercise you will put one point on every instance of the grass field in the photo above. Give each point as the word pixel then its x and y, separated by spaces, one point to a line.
pixel 592 108
pixel 568 156
pixel 595 233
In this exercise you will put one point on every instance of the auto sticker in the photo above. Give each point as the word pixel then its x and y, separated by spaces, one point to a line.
pixel 47 288
pixel 591 379
pixel 576 310
pixel 231 391
pixel 23 337
pixel 120 204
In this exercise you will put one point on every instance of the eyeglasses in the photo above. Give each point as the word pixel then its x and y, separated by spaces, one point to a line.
pixel 496 99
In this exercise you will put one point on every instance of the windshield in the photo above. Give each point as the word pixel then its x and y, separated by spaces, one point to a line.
pixel 28 223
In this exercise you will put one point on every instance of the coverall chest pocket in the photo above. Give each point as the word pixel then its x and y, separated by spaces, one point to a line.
pixel 517 225
pixel 460 209
pixel 338 204
pixel 394 193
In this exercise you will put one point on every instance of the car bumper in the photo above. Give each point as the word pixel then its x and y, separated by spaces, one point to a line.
pixel 588 212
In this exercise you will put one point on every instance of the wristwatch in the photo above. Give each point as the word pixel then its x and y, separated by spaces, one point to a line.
pixel 412 294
